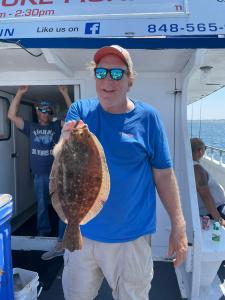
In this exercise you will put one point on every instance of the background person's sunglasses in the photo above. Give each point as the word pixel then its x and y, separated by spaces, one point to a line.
pixel 45 111
pixel 115 73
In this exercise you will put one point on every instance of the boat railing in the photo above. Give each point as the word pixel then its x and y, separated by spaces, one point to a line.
pixel 216 155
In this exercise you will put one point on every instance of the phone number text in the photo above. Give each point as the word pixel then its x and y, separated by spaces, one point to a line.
pixel 189 27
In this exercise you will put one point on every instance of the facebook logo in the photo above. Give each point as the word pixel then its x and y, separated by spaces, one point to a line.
pixel 92 28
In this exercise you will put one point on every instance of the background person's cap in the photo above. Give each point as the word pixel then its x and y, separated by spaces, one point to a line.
pixel 44 104
pixel 114 50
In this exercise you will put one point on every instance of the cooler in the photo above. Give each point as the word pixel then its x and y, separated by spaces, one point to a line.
pixel 6 272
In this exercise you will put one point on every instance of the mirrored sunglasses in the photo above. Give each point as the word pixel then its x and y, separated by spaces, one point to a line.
pixel 45 110
pixel 115 73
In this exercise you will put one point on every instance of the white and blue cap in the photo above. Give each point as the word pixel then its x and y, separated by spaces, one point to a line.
pixel 45 106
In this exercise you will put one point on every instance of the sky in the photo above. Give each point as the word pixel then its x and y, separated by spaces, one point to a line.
pixel 211 107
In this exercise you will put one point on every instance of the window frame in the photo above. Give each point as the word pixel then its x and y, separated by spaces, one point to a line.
pixel 9 122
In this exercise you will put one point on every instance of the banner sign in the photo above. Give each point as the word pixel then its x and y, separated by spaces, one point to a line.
pixel 202 17
pixel 45 8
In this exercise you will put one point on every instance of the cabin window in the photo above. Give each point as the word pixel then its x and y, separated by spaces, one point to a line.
pixel 4 121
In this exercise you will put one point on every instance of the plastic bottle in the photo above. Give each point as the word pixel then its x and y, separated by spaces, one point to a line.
pixel 216 232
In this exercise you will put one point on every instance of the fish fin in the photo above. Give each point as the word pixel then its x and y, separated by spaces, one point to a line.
pixel 58 207
pixel 58 147
pixel 95 209
pixel 105 186
pixel 72 239
pixel 53 191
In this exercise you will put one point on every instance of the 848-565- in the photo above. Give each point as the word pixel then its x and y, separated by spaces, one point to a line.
pixel 189 27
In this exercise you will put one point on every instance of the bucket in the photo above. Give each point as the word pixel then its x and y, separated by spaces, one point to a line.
pixel 25 284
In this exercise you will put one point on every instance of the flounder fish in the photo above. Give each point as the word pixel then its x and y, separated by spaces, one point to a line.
pixel 79 181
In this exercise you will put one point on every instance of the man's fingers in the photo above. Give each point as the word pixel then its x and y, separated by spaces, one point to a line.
pixel 177 249
pixel 63 88
pixel 180 257
pixel 67 128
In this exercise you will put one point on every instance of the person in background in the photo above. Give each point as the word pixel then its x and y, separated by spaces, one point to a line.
pixel 211 195
pixel 42 135
pixel 117 242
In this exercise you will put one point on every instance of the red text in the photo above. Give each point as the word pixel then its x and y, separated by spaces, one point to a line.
pixel 7 3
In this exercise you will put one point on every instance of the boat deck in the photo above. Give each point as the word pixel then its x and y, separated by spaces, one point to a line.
pixel 164 286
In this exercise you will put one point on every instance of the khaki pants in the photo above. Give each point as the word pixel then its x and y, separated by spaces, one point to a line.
pixel 128 268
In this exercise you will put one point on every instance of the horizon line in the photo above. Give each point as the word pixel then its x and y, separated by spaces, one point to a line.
pixel 206 119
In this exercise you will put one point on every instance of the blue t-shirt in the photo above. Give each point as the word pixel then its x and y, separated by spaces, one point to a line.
pixel 133 142
pixel 42 140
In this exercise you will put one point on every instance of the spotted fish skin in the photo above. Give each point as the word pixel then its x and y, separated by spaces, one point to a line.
pixel 79 182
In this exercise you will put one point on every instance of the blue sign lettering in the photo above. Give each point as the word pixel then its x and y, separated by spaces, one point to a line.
pixel 6 32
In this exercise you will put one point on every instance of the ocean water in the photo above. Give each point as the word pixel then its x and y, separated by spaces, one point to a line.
pixel 212 132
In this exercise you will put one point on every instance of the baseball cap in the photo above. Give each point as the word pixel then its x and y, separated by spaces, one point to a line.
pixel 114 50
pixel 44 104
pixel 45 107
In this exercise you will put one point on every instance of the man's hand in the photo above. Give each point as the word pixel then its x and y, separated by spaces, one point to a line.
pixel 168 192
pixel 67 128
pixel 22 89
pixel 178 245
pixel 63 89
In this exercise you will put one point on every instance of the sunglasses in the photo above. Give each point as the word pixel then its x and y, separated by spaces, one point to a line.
pixel 115 73
pixel 45 110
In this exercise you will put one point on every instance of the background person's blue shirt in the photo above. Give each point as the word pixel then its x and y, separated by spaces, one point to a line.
pixel 42 140
pixel 133 142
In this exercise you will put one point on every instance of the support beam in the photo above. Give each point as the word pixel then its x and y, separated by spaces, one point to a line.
pixel 54 59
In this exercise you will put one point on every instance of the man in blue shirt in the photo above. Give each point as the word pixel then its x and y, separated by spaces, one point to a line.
pixel 42 135
pixel 117 240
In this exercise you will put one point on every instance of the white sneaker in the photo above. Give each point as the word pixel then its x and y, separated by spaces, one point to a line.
pixel 56 251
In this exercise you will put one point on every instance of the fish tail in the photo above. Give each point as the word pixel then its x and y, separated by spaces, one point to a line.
pixel 72 239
